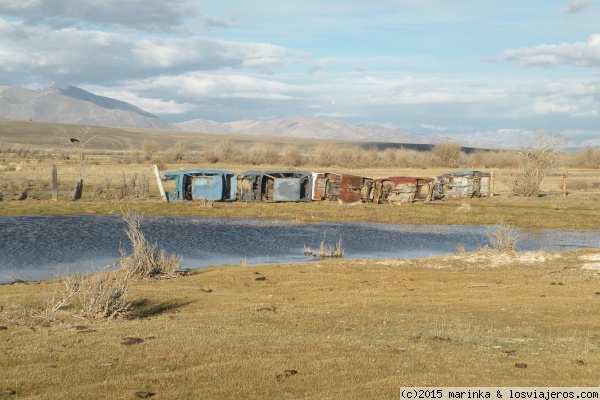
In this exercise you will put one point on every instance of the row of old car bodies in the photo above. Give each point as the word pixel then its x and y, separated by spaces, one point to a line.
pixel 297 186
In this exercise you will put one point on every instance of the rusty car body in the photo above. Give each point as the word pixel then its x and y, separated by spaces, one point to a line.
pixel 201 185
pixel 463 184
pixel 401 189
pixel 274 186
pixel 340 187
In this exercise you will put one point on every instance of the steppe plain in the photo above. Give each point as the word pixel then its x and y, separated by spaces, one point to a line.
pixel 333 329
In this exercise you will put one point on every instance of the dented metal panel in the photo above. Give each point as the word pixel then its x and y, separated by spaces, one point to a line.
pixel 343 187
pixel 463 184
pixel 401 189
pixel 275 186
pixel 202 185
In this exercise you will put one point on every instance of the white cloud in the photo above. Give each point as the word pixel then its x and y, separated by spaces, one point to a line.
pixel 216 86
pixel 154 106
pixel 580 54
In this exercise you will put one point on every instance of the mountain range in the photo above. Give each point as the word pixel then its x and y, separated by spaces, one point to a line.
pixel 63 103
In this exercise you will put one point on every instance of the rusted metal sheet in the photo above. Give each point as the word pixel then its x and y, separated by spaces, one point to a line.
pixel 401 189
pixel 202 185
pixel 274 186
pixel 463 184
pixel 340 187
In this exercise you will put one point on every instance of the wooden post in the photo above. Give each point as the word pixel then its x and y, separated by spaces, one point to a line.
pixel 161 188
pixel 54 183
pixel 430 192
pixel 564 186
pixel 492 181
pixel 78 191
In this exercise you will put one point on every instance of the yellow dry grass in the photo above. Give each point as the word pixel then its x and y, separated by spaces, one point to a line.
pixel 357 329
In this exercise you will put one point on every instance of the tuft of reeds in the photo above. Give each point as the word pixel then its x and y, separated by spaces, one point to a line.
pixel 328 250
pixel 307 251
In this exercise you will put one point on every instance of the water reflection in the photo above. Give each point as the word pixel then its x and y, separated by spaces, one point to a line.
pixel 37 247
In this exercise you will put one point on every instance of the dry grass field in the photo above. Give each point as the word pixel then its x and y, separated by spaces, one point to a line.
pixel 332 329
pixel 354 329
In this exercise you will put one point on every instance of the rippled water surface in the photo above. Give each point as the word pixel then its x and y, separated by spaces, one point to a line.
pixel 39 247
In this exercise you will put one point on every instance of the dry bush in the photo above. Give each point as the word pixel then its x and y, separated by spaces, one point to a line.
pixel 577 184
pixel 326 155
pixel 150 149
pixel 177 152
pixel 292 156
pixel 449 153
pixel 161 165
pixel 503 237
pixel 100 188
pixel 62 297
pixel 104 295
pixel 146 260
pixel 262 153
pixel 135 185
pixel 588 157
pixel 409 158
pixel 538 158
pixel 98 295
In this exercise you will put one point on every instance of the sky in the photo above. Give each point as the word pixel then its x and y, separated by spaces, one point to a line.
pixel 422 66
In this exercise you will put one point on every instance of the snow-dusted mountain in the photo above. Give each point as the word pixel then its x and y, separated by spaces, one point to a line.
pixel 309 127
pixel 59 102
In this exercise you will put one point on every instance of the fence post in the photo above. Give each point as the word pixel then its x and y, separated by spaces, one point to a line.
pixel 161 188
pixel 54 183
pixel 492 181
pixel 564 185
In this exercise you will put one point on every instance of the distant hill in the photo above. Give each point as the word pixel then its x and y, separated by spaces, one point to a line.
pixel 309 127
pixel 59 102
pixel 62 103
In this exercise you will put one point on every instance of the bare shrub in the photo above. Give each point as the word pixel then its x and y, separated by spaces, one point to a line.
pixel 98 295
pixel 538 158
pixel 177 152
pixel 104 295
pixel 449 153
pixel 62 297
pixel 326 155
pixel 225 151
pixel 128 185
pixel 211 156
pixel 588 157
pixel 503 237
pixel 491 159
pixel 292 155
pixel 161 165
pixel 143 189
pixel 577 184
pixel 149 149
pixel 388 156
pixel 146 260
pixel 100 188
pixel 262 153
pixel 408 158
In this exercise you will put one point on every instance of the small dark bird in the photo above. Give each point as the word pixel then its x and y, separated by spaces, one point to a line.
pixel 73 140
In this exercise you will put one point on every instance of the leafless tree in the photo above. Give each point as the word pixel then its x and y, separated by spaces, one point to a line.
pixel 538 158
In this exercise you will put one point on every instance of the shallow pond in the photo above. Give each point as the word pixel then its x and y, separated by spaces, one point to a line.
pixel 39 247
